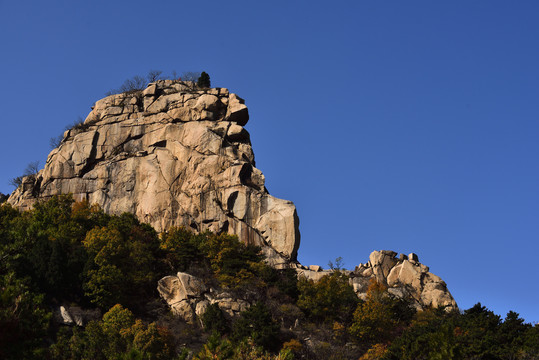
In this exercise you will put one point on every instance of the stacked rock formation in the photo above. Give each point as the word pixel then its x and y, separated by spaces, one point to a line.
pixel 404 276
pixel 189 298
pixel 173 155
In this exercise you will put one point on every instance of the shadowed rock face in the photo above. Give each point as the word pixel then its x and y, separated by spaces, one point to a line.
pixel 174 156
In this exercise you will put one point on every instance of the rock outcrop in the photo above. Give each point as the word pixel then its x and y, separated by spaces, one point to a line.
pixel 75 315
pixel 189 298
pixel 404 276
pixel 173 155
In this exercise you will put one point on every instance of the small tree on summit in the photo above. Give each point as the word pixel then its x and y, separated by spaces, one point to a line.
pixel 204 80
pixel 31 172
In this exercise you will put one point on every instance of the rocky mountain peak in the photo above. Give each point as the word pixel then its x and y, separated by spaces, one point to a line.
pixel 173 155
pixel 177 155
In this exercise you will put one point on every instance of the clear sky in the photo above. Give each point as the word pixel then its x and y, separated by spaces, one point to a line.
pixel 409 125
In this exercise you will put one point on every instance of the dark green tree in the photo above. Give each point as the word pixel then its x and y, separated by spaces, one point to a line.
pixel 24 320
pixel 214 320
pixel 257 324
pixel 204 80
pixel 182 249
pixel 123 266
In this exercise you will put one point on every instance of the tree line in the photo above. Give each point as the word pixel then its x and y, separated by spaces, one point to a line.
pixel 67 252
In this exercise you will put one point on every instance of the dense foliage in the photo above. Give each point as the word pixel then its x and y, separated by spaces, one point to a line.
pixel 71 253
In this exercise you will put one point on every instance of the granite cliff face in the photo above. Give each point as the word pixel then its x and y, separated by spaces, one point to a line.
pixel 173 155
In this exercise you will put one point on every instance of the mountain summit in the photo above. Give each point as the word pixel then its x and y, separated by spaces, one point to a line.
pixel 173 155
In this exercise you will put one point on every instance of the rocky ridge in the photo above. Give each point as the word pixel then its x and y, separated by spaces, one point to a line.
pixel 404 276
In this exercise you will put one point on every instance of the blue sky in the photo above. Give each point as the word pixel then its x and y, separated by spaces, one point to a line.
pixel 402 125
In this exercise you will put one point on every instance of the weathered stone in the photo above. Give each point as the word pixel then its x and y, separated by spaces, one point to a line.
pixel 360 285
pixel 193 286
pixel 184 310
pixel 188 297
pixel 237 133
pixel 232 307
pixel 171 290
pixel 315 267
pixel 435 294
pixel 413 257
pixel 207 102
pixel 175 289
pixel 183 160
pixel 66 317
pixel 404 278
pixel 75 315
pixel 314 275
pixel 201 307
pixel 150 90
pixel 237 111
pixel 381 263
pixel 393 277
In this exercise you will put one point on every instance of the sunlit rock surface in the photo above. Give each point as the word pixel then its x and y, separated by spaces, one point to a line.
pixel 173 155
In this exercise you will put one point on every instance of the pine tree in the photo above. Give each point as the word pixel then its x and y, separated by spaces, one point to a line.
pixel 204 80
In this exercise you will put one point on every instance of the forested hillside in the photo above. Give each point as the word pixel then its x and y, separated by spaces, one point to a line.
pixel 64 254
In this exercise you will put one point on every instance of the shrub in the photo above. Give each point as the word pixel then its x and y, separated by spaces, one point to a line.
pixel 256 323
pixel 55 141
pixel 330 299
pixel 214 320
pixel 190 76
pixel 215 348
pixel 154 75
pixel 30 173
pixel 137 83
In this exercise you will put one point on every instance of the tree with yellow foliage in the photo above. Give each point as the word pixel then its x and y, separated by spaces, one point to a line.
pixel 377 320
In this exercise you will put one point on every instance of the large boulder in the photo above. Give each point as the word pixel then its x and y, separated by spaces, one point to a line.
pixel 174 156
pixel 188 297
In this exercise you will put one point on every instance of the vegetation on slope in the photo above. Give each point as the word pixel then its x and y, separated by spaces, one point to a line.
pixel 65 252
